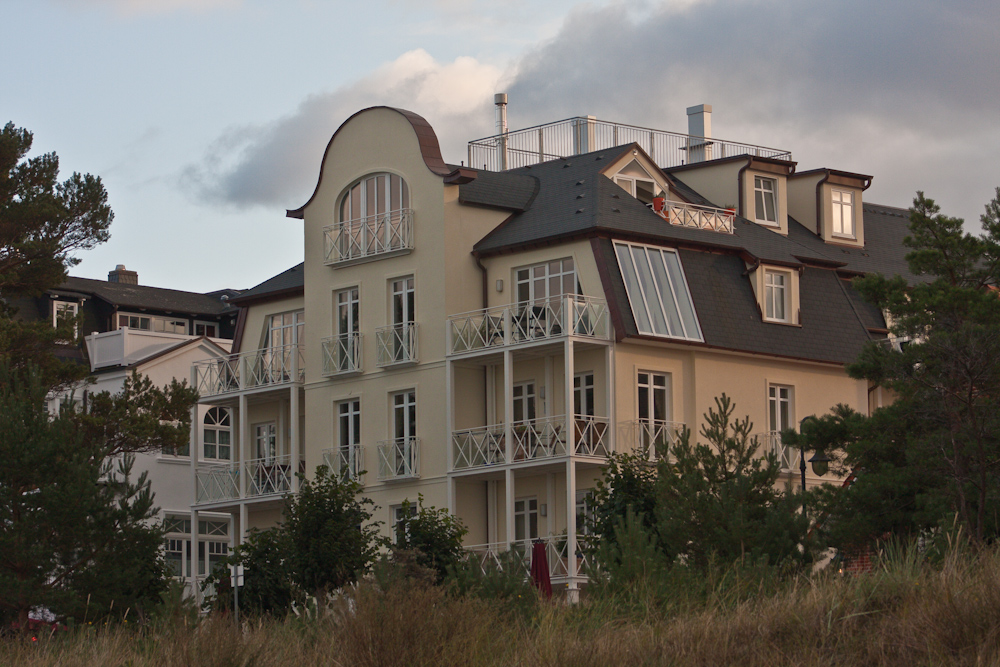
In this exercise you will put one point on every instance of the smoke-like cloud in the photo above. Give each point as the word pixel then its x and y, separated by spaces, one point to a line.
pixel 906 91
pixel 277 163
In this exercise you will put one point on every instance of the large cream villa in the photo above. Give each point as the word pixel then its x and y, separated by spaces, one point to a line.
pixel 486 335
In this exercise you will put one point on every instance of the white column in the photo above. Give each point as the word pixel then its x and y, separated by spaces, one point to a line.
pixel 508 404
pixel 449 428
pixel 293 418
pixel 193 450
pixel 550 500
pixel 550 385
pixel 509 517
pixel 609 388
pixel 193 560
pixel 243 522
pixel 568 400
pixel 571 564
pixel 492 529
pixel 244 444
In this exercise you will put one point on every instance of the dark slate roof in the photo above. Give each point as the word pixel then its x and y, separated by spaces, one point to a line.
pixel 723 297
pixel 505 190
pixel 285 282
pixel 575 198
pixel 142 296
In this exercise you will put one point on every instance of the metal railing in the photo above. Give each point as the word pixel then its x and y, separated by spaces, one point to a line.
pixel 788 457
pixel 396 344
pixel 488 556
pixel 531 439
pixel 477 447
pixel 583 134
pixel 528 321
pixel 653 438
pixel 399 458
pixel 345 461
pixel 538 438
pixel 251 370
pixel 592 436
pixel 342 354
pixel 368 237
pixel 698 217
pixel 268 476
pixel 220 482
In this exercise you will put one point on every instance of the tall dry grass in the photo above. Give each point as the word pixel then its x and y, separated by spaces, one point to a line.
pixel 906 613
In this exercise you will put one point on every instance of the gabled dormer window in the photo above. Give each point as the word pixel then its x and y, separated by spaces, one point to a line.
pixel 842 215
pixel 777 290
pixel 765 201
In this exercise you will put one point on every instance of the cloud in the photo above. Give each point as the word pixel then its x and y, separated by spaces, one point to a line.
pixel 906 91
pixel 143 7
pixel 275 164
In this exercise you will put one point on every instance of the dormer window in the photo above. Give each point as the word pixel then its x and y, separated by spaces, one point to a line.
pixel 766 209
pixel 842 217
pixel 375 219
pixel 641 189
pixel 776 295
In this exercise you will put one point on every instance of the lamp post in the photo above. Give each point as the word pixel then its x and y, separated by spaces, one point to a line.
pixel 820 462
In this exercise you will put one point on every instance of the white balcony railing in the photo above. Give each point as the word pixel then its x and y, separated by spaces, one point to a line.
pixel 528 322
pixel 342 354
pixel 697 217
pixel 269 367
pixel 371 236
pixel 653 438
pixel 399 458
pixel 264 477
pixel 126 346
pixel 214 483
pixel 788 457
pixel 396 344
pixel 531 439
pixel 347 461
pixel 488 556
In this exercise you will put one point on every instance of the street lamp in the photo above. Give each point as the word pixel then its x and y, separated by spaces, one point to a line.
pixel 820 462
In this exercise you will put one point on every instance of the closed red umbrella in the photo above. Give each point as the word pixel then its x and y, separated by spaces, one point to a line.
pixel 540 568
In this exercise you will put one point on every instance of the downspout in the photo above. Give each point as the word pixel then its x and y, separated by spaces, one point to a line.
pixel 486 294
pixel 486 375
pixel 819 202
pixel 739 187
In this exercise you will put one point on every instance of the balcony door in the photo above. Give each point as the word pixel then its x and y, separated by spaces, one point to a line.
pixel 539 310
pixel 525 519
pixel 348 323
pixel 656 432
pixel 402 318
pixel 266 442
pixel 404 421
pixel 285 332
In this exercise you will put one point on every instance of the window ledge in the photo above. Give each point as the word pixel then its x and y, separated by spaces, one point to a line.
pixel 174 460
pixel 782 322
pixel 340 264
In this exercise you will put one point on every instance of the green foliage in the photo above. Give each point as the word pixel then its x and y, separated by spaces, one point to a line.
pixel 503 581
pixel 326 541
pixel 719 500
pixel 935 453
pixel 632 566
pixel 628 484
pixel 435 535
pixel 76 530
pixel 43 221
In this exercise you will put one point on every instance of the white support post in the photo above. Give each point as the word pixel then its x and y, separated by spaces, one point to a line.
pixel 449 428
pixel 491 394
pixel 193 561
pixel 293 418
pixel 193 450
pixel 244 443
pixel 550 386
pixel 509 504
pixel 508 405
pixel 243 522
pixel 568 399
pixel 492 529
pixel 609 388
pixel 550 499
pixel 571 565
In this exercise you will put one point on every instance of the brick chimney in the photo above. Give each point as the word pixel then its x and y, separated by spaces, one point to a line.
pixel 124 276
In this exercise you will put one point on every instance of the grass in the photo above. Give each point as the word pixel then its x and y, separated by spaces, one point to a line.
pixel 906 613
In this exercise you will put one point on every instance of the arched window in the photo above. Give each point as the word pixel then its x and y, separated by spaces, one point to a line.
pixel 217 435
pixel 373 195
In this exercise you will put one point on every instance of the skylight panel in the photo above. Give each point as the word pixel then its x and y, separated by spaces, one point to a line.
pixel 657 291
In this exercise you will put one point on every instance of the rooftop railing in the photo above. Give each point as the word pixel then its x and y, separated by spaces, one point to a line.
pixel 268 367
pixel 583 134
pixel 527 322
pixel 370 236
pixel 697 217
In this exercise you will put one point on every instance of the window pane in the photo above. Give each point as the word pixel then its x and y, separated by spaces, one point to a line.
pixel 653 304
pixel 666 295
pixel 684 303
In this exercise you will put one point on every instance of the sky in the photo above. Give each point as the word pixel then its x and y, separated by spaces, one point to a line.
pixel 207 119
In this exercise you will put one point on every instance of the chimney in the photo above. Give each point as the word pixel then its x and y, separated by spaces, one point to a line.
pixel 123 276
pixel 700 130
pixel 500 100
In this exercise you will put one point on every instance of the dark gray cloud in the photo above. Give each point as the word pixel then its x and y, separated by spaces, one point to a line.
pixel 906 91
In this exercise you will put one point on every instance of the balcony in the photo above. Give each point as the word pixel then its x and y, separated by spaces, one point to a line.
pixel 697 217
pixel 788 457
pixel 396 345
pixel 264 477
pixel 347 461
pixel 528 322
pixel 374 236
pixel 653 438
pixel 258 369
pixel 535 439
pixel 342 355
pixel 488 556
pixel 399 459
pixel 573 136
pixel 123 347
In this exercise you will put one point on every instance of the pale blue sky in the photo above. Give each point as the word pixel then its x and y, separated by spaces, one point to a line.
pixel 207 118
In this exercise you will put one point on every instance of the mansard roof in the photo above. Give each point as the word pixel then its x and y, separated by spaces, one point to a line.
pixel 127 296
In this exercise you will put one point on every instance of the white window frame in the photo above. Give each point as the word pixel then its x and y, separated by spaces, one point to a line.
pixel 525 397
pixel 528 279
pixel 350 210
pixel 404 295
pixel 584 511
pixel 153 322
pixel 842 213
pixel 528 510
pixel 266 434
pixel 58 306
pixel 583 394
pixel 646 410
pixel 203 323
pixel 276 329
pixel 217 425
pixel 766 189
pixel 348 311
pixel 779 395
pixel 649 297
pixel 404 414
pixel 775 294
pixel 177 540
pixel 396 517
